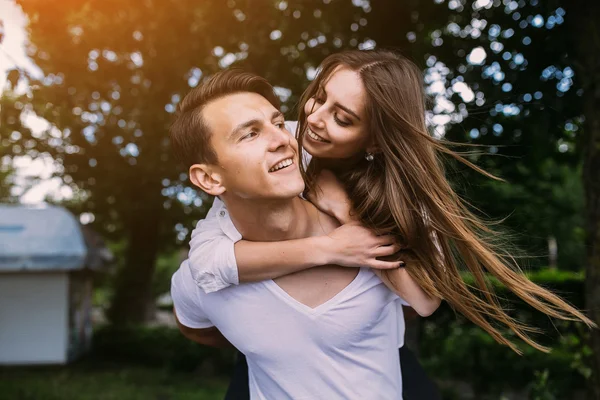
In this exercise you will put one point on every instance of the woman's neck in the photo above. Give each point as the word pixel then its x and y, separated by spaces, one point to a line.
pixel 336 165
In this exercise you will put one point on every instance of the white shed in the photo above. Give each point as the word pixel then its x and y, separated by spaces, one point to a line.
pixel 46 260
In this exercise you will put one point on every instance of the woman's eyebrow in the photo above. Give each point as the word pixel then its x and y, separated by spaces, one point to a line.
pixel 349 111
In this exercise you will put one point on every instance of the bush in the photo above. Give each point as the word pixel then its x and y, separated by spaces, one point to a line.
pixel 455 350
pixel 159 347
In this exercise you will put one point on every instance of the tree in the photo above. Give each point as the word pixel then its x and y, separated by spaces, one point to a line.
pixel 7 171
pixel 500 73
pixel 586 45
pixel 114 71
pixel 6 185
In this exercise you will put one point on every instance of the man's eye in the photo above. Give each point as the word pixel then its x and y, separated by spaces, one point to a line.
pixel 250 135
pixel 280 125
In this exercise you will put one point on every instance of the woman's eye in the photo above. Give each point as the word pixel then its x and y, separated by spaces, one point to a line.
pixel 319 99
pixel 280 125
pixel 341 122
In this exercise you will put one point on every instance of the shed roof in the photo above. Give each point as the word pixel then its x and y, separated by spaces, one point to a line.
pixel 40 238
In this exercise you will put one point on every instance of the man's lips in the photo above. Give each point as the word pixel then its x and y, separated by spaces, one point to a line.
pixel 282 164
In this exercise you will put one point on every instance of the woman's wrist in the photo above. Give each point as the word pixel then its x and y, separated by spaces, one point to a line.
pixel 321 250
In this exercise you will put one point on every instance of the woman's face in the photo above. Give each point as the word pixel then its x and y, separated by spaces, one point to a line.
pixel 336 117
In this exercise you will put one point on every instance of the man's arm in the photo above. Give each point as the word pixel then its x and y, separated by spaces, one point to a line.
pixel 207 336
pixel 188 309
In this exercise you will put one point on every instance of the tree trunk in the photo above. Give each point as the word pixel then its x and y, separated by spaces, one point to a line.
pixel 592 196
pixel 591 182
pixel 584 18
pixel 133 292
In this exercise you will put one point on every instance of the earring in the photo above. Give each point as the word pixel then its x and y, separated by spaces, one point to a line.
pixel 369 156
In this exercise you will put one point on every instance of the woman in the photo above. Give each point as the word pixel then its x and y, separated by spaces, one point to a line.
pixel 363 118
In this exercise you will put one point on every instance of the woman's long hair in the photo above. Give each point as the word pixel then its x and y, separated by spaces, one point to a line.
pixel 404 192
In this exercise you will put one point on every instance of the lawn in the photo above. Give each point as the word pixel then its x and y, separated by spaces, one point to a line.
pixel 90 382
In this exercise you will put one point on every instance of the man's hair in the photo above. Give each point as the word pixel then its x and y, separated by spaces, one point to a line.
pixel 190 135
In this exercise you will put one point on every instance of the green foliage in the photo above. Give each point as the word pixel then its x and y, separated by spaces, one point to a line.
pixel 6 184
pixel 458 351
pixel 159 347
pixel 567 284
pixel 88 381
pixel 493 369
pixel 166 265
pixel 129 64
pixel 545 277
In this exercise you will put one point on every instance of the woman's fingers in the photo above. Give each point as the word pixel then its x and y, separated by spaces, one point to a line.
pixel 388 250
pixel 379 264
pixel 386 240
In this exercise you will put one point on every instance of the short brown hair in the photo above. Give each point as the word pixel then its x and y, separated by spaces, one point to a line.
pixel 190 136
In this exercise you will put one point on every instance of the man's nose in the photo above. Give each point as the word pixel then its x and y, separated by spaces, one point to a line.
pixel 278 138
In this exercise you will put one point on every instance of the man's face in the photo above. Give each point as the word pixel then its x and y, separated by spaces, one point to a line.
pixel 257 156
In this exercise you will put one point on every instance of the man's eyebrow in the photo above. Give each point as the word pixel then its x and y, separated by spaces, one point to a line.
pixel 349 111
pixel 252 122
pixel 276 114
pixel 242 126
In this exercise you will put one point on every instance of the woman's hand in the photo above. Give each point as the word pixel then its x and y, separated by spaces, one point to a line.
pixel 330 197
pixel 350 245
pixel 353 245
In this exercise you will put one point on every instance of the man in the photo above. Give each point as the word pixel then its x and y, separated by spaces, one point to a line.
pixel 327 332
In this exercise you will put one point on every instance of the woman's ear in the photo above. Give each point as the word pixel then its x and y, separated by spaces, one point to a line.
pixel 207 178
pixel 372 147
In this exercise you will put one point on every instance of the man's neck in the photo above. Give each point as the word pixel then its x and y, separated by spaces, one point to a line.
pixel 269 221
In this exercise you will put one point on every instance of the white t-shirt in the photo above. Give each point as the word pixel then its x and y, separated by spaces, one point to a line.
pixel 212 255
pixel 346 348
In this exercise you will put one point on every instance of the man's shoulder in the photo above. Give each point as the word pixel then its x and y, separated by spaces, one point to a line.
pixel 323 223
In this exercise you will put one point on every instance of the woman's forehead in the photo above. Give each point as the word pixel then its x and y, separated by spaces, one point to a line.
pixel 346 87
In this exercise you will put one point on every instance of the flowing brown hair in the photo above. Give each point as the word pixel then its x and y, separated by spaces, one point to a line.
pixel 404 192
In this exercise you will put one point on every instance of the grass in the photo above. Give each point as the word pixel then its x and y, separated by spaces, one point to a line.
pixel 81 381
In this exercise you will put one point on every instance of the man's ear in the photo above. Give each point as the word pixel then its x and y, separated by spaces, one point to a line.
pixel 207 178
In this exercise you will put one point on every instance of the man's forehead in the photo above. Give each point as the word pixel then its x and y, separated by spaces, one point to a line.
pixel 229 111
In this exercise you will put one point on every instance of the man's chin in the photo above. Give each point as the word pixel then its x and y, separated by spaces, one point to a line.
pixel 290 192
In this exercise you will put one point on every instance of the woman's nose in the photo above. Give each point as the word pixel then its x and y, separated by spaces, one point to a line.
pixel 315 118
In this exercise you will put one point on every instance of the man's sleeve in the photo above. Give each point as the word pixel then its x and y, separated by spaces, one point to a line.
pixel 212 254
pixel 187 299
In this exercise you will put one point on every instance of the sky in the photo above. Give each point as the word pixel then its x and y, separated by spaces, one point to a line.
pixel 12 53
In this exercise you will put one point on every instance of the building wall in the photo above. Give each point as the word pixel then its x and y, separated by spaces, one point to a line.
pixel 33 318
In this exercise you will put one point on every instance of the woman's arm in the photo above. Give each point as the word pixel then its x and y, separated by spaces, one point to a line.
pixel 401 283
pixel 218 257
pixel 331 198
pixel 350 245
